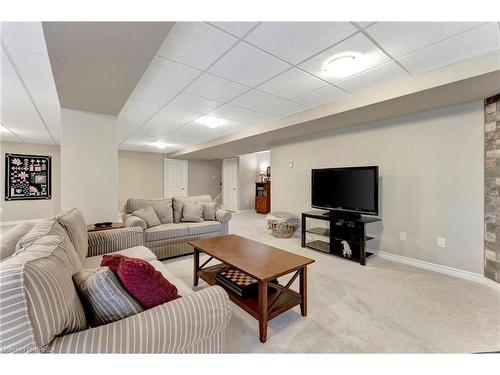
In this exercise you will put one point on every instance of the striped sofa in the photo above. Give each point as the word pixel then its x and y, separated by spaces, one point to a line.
pixel 41 311
pixel 170 238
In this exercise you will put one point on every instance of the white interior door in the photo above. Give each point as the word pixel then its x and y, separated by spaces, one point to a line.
pixel 230 184
pixel 176 178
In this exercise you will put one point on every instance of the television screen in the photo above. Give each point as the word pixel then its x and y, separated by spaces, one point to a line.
pixel 352 189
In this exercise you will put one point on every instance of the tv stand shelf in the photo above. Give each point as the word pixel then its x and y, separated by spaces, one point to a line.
pixel 346 237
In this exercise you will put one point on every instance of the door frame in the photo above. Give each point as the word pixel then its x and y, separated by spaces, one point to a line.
pixel 165 163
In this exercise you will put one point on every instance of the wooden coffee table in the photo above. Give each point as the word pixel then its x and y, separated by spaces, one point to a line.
pixel 262 262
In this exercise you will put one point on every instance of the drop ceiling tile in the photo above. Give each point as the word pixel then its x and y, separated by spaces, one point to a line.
pixel 136 112
pixel 6 65
pixel 368 55
pixel 238 29
pixel 11 85
pixel 26 36
pixel 469 44
pixel 18 111
pixel 232 112
pixel 365 24
pixel 260 117
pixel 31 65
pixel 194 103
pixel 148 92
pixel 169 74
pixel 320 96
pixel 285 109
pixel 256 100
pixel 291 84
pixel 377 76
pixel 194 134
pixel 215 88
pixel 168 119
pixel 400 38
pixel 247 65
pixel 196 44
pixel 44 95
pixel 296 41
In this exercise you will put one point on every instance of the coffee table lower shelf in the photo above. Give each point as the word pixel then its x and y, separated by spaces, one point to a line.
pixel 288 299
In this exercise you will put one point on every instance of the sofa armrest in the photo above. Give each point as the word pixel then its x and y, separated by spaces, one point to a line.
pixel 196 322
pixel 223 215
pixel 134 221
pixel 108 241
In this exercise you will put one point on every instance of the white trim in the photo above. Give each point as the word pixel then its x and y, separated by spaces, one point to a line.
pixel 472 276
pixel 15 222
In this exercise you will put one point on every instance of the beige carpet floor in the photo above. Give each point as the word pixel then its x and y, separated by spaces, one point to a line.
pixel 385 307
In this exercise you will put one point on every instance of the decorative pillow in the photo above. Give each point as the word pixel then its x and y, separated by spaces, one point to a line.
pixel 74 224
pixel 12 237
pixel 112 261
pixel 148 215
pixel 178 202
pixel 39 281
pixel 209 210
pixel 48 227
pixel 142 281
pixel 192 211
pixel 106 299
pixel 163 207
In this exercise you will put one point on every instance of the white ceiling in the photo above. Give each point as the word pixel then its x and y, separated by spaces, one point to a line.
pixel 238 74
pixel 30 110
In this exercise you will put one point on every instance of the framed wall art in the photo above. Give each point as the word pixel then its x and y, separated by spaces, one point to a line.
pixel 27 177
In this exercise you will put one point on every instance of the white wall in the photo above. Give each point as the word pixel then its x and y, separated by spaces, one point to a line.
pixel 263 160
pixel 89 164
pixel 431 168
pixel 205 177
pixel 247 171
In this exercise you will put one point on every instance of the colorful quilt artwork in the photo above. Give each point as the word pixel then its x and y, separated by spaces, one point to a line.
pixel 27 177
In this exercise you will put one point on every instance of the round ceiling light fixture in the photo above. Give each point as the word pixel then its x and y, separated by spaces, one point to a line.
pixel 159 144
pixel 342 66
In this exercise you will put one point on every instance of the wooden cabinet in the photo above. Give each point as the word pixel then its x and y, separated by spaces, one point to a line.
pixel 263 197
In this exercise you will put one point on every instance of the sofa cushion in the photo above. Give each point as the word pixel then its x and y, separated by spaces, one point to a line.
pixel 162 207
pixel 148 215
pixel 37 297
pixel 47 227
pixel 209 210
pixel 204 227
pixel 133 252
pixel 106 300
pixel 147 285
pixel 12 237
pixel 165 231
pixel 182 287
pixel 178 202
pixel 74 223
pixel 192 212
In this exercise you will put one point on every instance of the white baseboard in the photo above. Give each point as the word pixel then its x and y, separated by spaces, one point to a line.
pixel 472 276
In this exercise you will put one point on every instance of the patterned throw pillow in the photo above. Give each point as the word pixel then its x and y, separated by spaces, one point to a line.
pixel 106 300
pixel 209 210
pixel 192 211
pixel 147 285
pixel 148 214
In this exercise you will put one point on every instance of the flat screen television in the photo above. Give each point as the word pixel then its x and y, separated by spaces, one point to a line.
pixel 348 190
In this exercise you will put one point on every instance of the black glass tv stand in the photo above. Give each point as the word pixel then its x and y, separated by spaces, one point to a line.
pixel 345 236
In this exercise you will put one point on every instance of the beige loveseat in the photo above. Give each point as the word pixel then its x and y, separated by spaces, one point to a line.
pixel 42 312
pixel 169 239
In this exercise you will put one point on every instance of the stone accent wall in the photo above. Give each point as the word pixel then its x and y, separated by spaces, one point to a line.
pixel 492 188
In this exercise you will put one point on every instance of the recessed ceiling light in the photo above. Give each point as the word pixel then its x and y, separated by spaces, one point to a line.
pixel 343 65
pixel 159 144
pixel 211 121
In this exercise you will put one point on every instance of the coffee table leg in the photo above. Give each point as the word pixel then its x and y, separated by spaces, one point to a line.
pixel 303 291
pixel 196 258
pixel 263 310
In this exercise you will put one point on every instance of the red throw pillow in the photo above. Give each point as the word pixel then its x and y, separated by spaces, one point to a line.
pixel 112 261
pixel 142 280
